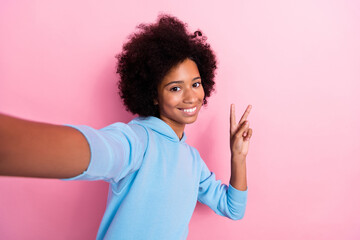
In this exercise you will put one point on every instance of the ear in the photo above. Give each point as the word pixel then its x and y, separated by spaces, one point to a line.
pixel 156 102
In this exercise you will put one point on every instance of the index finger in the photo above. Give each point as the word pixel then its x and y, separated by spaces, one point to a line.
pixel 246 114
pixel 232 117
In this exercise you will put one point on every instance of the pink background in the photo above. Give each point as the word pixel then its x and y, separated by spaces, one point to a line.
pixel 296 62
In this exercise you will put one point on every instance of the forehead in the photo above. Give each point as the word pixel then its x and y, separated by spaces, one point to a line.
pixel 186 70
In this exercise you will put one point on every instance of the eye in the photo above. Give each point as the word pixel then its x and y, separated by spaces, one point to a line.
pixel 197 84
pixel 174 89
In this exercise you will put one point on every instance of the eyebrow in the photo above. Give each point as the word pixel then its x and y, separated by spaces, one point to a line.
pixel 180 81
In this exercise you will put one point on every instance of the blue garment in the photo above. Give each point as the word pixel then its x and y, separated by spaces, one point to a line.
pixel 155 181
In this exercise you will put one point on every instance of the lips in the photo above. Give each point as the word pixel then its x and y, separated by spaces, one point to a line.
pixel 189 111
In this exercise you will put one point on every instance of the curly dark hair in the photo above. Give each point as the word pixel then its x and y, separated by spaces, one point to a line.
pixel 149 55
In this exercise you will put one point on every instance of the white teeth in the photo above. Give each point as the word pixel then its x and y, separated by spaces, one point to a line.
pixel 190 110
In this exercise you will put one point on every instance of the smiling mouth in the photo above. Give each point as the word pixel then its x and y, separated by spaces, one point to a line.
pixel 188 110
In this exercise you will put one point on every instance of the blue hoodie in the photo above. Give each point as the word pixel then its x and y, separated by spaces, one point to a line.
pixel 155 181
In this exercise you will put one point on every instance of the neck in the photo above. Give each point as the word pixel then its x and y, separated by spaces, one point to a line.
pixel 176 127
pixel 179 131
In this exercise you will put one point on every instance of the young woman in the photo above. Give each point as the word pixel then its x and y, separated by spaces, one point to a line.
pixel 155 177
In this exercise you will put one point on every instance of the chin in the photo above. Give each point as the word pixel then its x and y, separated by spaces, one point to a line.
pixel 191 120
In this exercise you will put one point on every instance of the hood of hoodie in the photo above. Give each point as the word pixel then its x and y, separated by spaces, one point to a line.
pixel 160 127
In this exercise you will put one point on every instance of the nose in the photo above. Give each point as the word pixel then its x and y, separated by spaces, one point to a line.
pixel 190 96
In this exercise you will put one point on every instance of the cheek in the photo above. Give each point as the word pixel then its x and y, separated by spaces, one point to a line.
pixel 170 100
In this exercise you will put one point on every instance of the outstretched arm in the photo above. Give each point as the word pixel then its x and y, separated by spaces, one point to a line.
pixel 240 135
pixel 34 149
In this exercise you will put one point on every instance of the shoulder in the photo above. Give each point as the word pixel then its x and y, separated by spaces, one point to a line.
pixel 117 133
pixel 193 150
pixel 195 154
pixel 132 129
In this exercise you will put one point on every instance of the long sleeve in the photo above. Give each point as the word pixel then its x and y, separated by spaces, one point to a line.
pixel 116 151
pixel 222 199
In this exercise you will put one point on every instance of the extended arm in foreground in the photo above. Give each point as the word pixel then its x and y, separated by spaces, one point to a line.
pixel 34 149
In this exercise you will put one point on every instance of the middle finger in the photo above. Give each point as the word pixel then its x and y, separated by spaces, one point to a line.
pixel 246 114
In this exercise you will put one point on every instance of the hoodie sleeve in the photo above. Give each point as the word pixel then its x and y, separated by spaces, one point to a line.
pixel 224 200
pixel 116 151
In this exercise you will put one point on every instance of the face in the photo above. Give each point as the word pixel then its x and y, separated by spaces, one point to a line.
pixel 180 95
